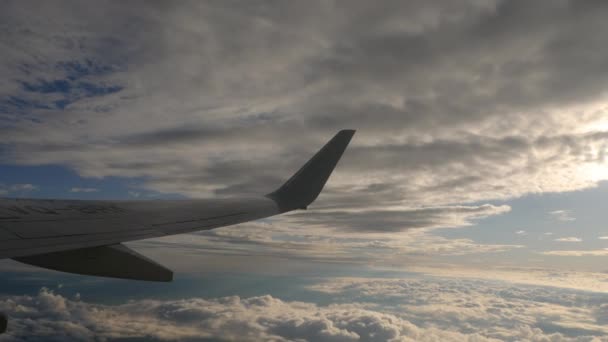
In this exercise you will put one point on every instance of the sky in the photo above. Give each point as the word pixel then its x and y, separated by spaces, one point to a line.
pixel 469 206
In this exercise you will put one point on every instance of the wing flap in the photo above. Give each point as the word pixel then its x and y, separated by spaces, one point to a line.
pixel 115 261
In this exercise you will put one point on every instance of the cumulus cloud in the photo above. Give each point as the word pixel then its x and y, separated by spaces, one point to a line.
pixel 493 309
pixel 414 309
pixel 228 318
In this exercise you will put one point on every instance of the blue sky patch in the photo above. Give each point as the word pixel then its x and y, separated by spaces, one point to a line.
pixel 45 87
pixel 75 81
pixel 53 181
pixel 78 69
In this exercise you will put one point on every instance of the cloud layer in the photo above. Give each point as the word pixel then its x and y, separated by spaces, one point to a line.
pixel 377 310
pixel 454 101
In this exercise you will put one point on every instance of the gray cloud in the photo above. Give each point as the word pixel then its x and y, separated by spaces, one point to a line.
pixel 457 103
pixel 445 95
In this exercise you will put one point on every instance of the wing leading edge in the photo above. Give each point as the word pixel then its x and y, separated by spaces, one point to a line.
pixel 85 237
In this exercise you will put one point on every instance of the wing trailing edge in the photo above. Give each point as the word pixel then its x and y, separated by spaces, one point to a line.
pixel 306 184
pixel 114 261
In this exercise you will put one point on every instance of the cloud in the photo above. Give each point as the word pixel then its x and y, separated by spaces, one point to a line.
pixel 17 189
pixel 562 215
pixel 228 318
pixel 598 252
pixel 373 219
pixel 296 74
pixel 521 232
pixel 539 276
pixel 569 239
pixel 324 243
pixel 492 309
pixel 76 189
pixel 134 194
pixel 22 187
pixel 382 309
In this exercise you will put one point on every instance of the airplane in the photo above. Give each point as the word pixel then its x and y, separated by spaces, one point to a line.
pixel 85 236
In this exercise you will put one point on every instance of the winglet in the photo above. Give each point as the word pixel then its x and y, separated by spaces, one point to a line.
pixel 306 184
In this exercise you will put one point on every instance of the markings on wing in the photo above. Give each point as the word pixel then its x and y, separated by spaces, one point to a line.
pixel 39 228
pixel 42 226
pixel 36 212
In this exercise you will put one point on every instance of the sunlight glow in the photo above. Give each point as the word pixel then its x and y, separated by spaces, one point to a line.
pixel 595 172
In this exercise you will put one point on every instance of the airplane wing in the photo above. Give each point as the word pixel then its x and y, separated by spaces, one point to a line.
pixel 85 237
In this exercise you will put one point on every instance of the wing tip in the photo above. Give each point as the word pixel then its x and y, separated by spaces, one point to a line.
pixel 306 184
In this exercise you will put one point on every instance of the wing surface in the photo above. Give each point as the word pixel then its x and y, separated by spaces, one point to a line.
pixel 85 236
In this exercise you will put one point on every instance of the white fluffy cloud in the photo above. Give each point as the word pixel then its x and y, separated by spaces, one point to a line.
pixel 491 309
pixel 413 309
pixel 53 317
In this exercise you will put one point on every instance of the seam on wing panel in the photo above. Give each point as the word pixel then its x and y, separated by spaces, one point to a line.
pixel 199 220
